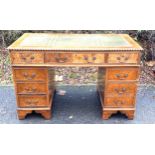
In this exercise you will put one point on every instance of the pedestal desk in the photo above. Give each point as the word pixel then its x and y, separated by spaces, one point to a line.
pixel 117 57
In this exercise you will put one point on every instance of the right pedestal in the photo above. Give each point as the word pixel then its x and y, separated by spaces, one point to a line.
pixel 117 87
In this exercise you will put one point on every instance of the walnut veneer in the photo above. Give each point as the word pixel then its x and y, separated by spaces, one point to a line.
pixel 117 57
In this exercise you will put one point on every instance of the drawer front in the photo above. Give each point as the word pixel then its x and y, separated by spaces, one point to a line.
pixel 31 88
pixel 123 58
pixel 122 73
pixel 32 101
pixel 80 58
pixel 58 58
pixel 120 89
pixel 88 58
pixel 27 58
pixel 30 74
pixel 116 102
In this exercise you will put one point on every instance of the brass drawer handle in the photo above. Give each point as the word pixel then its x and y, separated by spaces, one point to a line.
pixel 30 90
pixel 121 77
pixel 29 77
pixel 32 57
pixel 27 58
pixel 61 60
pixel 30 102
pixel 86 58
pixel 122 58
pixel 94 58
pixel 120 91
pixel 117 102
pixel 33 75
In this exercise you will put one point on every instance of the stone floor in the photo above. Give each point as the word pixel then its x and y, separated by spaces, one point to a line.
pixel 79 105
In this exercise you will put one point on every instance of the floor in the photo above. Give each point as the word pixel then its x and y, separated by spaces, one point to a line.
pixel 78 105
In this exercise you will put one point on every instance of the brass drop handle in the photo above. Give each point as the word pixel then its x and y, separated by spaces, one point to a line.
pixel 29 77
pixel 121 77
pixel 61 60
pixel 33 75
pixel 24 58
pixel 120 91
pixel 32 57
pixel 86 58
pixel 122 58
pixel 34 89
pixel 126 58
pixel 25 74
pixel 94 58
pixel 30 102
pixel 31 90
pixel 117 102
pixel 118 75
pixel 27 89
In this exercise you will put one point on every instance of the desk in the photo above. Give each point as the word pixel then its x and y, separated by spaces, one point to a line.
pixel 34 55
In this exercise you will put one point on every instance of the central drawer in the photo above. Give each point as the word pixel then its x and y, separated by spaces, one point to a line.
pixel 79 58
pixel 31 88
pixel 32 101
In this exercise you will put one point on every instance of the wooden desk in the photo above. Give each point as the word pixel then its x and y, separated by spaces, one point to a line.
pixel 117 57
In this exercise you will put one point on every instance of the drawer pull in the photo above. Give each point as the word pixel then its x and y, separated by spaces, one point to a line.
pixel 30 90
pixel 25 75
pixel 120 91
pixel 122 58
pixel 119 102
pixel 33 75
pixel 30 102
pixel 61 60
pixel 86 58
pixel 94 58
pixel 29 77
pixel 24 58
pixel 32 58
pixel 121 77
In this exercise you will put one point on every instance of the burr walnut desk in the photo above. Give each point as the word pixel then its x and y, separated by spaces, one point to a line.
pixel 117 57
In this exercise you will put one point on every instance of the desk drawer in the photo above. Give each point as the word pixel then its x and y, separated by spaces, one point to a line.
pixel 84 58
pixel 58 58
pixel 31 88
pixel 27 57
pixel 123 58
pixel 117 102
pixel 32 101
pixel 120 89
pixel 122 73
pixel 31 74
pixel 80 58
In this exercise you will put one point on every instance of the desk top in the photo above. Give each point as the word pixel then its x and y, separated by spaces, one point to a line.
pixel 58 41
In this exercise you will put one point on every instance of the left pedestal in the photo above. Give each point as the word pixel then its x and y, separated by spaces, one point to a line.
pixel 34 87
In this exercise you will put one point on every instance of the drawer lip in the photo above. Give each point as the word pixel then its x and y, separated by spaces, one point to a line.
pixel 45 102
